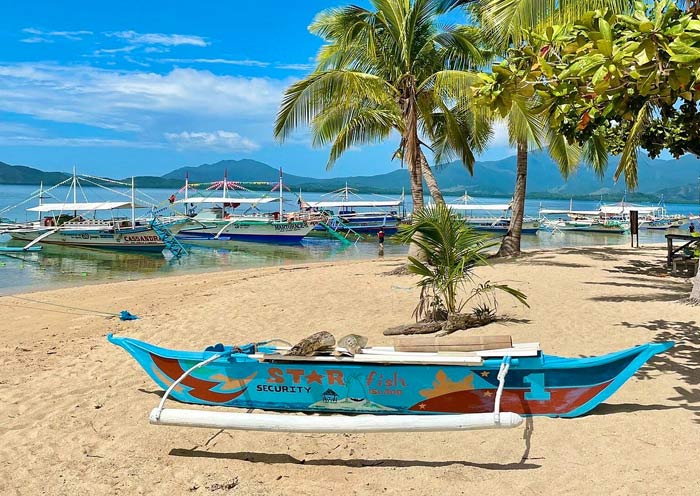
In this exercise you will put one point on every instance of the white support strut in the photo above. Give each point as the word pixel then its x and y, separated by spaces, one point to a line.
pixel 502 372
pixel 157 411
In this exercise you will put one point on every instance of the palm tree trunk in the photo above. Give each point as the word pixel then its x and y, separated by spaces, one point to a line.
pixel 413 161
pixel 412 155
pixel 510 246
pixel 430 180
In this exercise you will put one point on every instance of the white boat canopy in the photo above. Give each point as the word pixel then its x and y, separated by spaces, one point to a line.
pixel 546 211
pixel 221 199
pixel 625 209
pixel 81 206
pixel 354 203
pixel 466 206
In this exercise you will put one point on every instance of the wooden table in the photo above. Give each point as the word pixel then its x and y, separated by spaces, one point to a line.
pixel 690 242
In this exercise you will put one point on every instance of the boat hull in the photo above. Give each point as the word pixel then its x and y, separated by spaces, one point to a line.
pixel 539 385
pixel 130 239
pixel 248 231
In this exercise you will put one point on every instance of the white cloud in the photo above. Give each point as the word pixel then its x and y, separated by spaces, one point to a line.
pixel 217 140
pixel 36 39
pixel 21 140
pixel 112 51
pixel 295 67
pixel 245 62
pixel 239 62
pixel 159 38
pixel 138 101
pixel 41 36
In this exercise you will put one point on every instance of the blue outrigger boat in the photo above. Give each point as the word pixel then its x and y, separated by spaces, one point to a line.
pixel 472 386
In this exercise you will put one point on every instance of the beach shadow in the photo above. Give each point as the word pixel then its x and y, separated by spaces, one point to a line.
pixel 602 253
pixel 637 297
pixel 548 263
pixel 505 320
pixel 545 259
pixel 281 458
pixel 656 268
pixel 611 409
pixel 666 285
pixel 683 359
pixel 157 392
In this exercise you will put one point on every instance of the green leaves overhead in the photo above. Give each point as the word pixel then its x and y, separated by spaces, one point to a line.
pixel 606 74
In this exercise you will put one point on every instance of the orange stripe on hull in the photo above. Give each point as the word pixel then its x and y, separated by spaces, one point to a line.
pixel 561 401
pixel 200 388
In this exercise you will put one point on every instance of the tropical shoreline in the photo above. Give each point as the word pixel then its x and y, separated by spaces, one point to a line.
pixel 76 406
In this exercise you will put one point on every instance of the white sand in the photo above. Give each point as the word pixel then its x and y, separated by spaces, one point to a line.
pixel 74 408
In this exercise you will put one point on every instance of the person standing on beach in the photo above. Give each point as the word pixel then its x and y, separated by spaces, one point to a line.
pixel 380 235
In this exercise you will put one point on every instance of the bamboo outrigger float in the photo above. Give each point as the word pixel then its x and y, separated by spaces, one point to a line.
pixel 400 391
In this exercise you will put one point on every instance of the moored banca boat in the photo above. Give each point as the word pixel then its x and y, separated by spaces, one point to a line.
pixel 491 388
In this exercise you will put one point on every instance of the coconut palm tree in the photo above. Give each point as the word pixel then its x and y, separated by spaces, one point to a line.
pixel 391 70
pixel 504 23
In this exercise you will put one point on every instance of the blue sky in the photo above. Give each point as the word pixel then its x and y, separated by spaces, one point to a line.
pixel 121 88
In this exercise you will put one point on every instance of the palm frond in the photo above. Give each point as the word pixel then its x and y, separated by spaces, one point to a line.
pixel 628 158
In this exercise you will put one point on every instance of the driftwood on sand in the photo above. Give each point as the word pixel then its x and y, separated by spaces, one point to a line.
pixel 454 322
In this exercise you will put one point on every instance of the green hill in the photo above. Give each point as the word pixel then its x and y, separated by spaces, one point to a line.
pixel 676 180
pixel 19 174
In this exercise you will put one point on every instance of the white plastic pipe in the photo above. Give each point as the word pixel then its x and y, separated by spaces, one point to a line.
pixel 340 424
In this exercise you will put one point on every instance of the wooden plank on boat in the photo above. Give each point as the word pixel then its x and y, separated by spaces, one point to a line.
pixel 451 343
pixel 518 350
pixel 415 359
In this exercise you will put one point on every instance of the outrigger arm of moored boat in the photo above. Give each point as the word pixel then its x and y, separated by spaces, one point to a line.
pixel 333 424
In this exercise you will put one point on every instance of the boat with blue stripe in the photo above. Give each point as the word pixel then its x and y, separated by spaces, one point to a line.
pixel 384 381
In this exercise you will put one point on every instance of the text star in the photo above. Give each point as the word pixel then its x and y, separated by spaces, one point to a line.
pixel 488 393
pixel 485 373
pixel 314 377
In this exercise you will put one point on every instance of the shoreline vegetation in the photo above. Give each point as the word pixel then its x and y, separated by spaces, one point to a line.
pixel 77 408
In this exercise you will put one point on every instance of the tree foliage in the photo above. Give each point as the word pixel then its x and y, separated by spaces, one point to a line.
pixel 613 82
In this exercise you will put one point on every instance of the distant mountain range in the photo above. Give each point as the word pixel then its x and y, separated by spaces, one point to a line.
pixel 676 180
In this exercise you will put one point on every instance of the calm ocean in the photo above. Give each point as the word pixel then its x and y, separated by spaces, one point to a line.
pixel 57 266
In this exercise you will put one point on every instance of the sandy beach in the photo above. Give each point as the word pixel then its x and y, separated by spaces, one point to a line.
pixel 74 408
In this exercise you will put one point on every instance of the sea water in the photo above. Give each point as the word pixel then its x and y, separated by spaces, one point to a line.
pixel 56 266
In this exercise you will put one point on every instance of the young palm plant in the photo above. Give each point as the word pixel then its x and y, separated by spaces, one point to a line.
pixel 390 70
pixel 452 251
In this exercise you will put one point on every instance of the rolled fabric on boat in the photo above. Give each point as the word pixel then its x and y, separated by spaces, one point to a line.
pixel 451 343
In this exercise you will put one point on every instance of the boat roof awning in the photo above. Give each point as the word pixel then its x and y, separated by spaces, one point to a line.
pixel 81 206
pixel 625 209
pixel 550 211
pixel 481 207
pixel 354 203
pixel 221 199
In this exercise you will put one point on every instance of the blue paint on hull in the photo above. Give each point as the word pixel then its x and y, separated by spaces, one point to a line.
pixel 251 238
pixel 540 385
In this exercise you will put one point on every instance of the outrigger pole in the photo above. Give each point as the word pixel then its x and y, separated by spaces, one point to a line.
pixel 333 423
